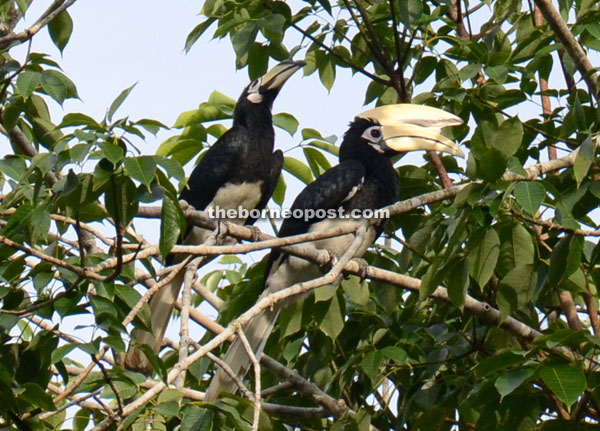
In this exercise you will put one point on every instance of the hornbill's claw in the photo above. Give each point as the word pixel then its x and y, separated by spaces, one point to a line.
pixel 363 268
pixel 255 236
pixel 333 259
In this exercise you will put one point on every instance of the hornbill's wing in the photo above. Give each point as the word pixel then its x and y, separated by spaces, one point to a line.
pixel 269 188
pixel 328 191
pixel 216 168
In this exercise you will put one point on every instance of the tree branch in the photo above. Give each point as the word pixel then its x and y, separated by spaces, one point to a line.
pixel 52 12
pixel 572 46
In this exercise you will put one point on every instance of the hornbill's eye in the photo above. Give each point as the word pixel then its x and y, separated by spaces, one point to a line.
pixel 254 85
pixel 372 134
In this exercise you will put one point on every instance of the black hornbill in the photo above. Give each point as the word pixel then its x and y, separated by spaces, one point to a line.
pixel 364 179
pixel 239 170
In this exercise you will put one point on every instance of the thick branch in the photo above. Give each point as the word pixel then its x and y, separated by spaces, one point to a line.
pixel 572 46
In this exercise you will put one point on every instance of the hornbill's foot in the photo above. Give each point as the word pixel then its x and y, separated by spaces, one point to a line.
pixel 363 268
pixel 333 259
pixel 222 231
pixel 255 235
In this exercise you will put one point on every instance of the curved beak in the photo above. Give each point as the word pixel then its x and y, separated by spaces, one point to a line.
pixel 402 138
pixel 278 75
pixel 408 127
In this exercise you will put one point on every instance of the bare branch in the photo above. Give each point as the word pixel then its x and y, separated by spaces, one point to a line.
pixel 257 382
pixel 184 331
pixel 570 43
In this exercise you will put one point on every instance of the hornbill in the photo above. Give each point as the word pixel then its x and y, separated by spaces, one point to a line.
pixel 239 170
pixel 365 179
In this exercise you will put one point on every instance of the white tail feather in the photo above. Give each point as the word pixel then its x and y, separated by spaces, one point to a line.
pixel 257 332
pixel 161 307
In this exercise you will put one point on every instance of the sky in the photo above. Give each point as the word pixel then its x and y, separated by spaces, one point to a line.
pixel 123 42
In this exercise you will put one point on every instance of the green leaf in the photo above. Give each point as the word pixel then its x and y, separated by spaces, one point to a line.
pixel 197 32
pixel 499 360
pixel 584 159
pixel 170 226
pixel 483 257
pixel 357 291
pixel 37 396
pixel 57 85
pixel 410 12
pixel 509 136
pixel 565 259
pixel 27 81
pixel 297 169
pixel 517 247
pixel 196 418
pixel 279 192
pixel 325 146
pixel 396 354
pixel 15 167
pixel 169 395
pixel 112 152
pixel 530 195
pixel 141 168
pixel 566 381
pixel 333 322
pixel 516 289
pixel 150 125
pixel 286 122
pixel 203 114
pixel 371 363
pixel 118 102
pixel 243 37
pixel 271 26
pixel 81 420
pixel 458 283
pixel 60 29
pixel 317 161
pixel 508 382
pixel 62 351
pixel 218 98
pixel 431 280
pixel 325 293
pixel 120 199
pixel 491 164
pixel 327 72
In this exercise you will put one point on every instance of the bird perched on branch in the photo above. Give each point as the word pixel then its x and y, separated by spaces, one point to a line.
pixel 239 170
pixel 365 179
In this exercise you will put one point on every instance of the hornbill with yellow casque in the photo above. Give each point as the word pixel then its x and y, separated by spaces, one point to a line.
pixel 239 170
pixel 365 179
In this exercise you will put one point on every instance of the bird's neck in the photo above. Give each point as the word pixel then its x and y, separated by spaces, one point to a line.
pixel 257 119
pixel 380 173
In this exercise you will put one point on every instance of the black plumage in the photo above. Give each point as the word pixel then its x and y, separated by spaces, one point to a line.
pixel 365 179
pixel 240 170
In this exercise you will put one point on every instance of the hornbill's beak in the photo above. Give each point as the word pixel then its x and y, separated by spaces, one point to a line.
pixel 277 76
pixel 409 127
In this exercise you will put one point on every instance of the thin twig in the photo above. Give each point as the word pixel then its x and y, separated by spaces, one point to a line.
pixel 184 331
pixel 47 17
pixel 257 382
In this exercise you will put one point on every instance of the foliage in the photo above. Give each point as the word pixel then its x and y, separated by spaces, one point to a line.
pixel 396 359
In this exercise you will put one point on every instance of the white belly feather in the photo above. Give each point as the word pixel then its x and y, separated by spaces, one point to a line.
pixel 230 196
pixel 296 270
